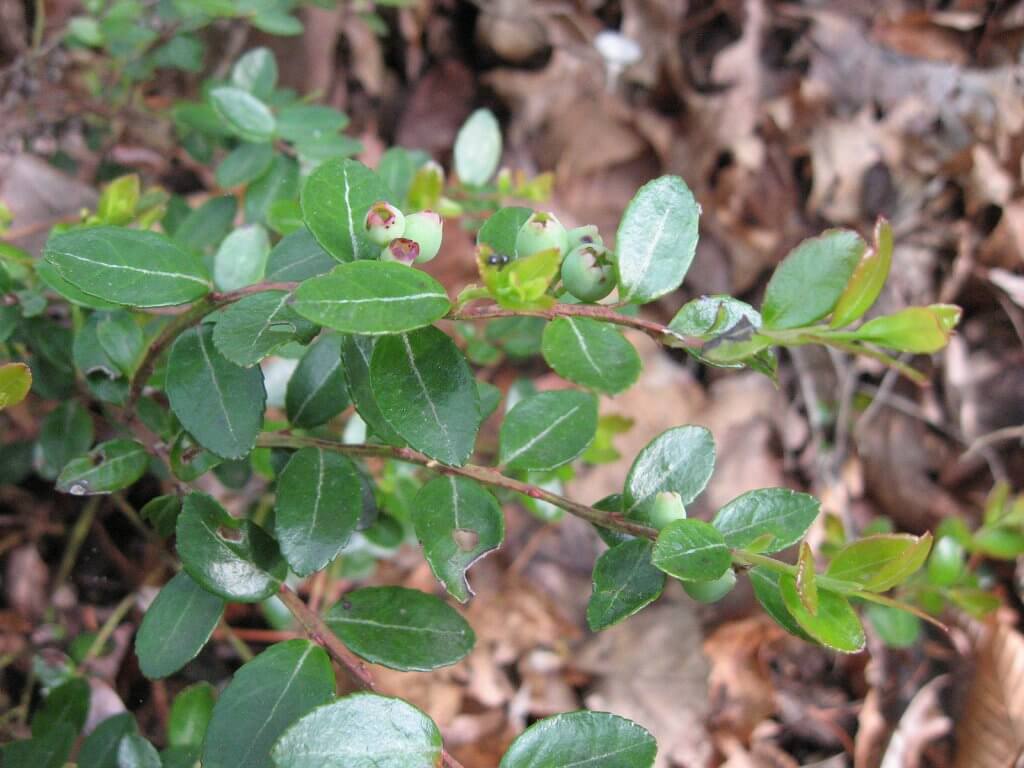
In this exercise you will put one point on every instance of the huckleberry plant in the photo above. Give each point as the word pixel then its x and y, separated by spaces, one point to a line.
pixel 150 322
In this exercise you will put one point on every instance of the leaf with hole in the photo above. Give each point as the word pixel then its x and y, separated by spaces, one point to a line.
pixel 108 467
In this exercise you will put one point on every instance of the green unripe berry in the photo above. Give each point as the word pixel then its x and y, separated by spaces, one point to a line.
pixel 585 235
pixel 401 249
pixel 541 232
pixel 384 222
pixel 664 508
pixel 426 229
pixel 587 272
pixel 946 562
pixel 711 591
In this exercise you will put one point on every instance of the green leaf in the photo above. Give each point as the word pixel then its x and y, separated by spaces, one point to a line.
pixel 379 732
pixel 921 330
pixel 241 258
pixel 48 751
pixel 266 696
pixel 867 280
pixel 244 114
pixel 99 750
pixel 119 199
pixel 691 550
pixel 176 626
pixel 50 277
pixel 778 513
pixel 625 581
pixel 397 167
pixel 457 522
pixel 218 402
pixel 590 353
pixel 256 72
pixel 108 467
pixel 319 501
pixel 897 628
pixel 316 391
pixel 232 558
pixel 15 382
pixel 879 563
pixel 426 392
pixel 208 224
pixel 162 513
pixel 808 283
pixel 356 353
pixel 998 542
pixel 523 283
pixel 807 578
pixel 245 163
pixel 65 433
pixel 591 739
pixel 679 460
pixel 280 182
pixel 401 628
pixel 835 625
pixel 766 590
pixel 128 266
pixel 68 704
pixel 121 339
pixel 309 122
pixel 190 715
pixel 335 200
pixel 258 325
pixel 297 257
pixel 134 751
pixel 656 240
pixel 548 430
pixel 478 148
pixel 372 297
pixel 502 227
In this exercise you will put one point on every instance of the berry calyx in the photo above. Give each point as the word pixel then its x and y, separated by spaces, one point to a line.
pixel 541 232
pixel 384 222
pixel 401 249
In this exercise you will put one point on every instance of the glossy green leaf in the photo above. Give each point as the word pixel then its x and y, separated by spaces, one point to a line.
pixel 335 200
pixel 263 699
pixel 879 563
pixel 134 751
pixel 176 626
pixel 999 542
pixel 477 149
pixel 356 353
pixel 363 730
pixel 679 460
pixel 65 433
pixel 401 628
pixel 68 703
pixel 245 163
pixel 244 114
pixel 319 501
pixel 118 201
pixel 921 330
pixel 691 550
pixel 867 280
pixel 241 258
pixel 457 522
pixel 592 739
pixel 122 340
pixel 426 392
pixel 15 382
pixel 835 625
pixel 778 513
pixel 316 391
pixel 256 72
pixel 547 430
pixel 190 715
pixel 258 325
pixel 372 297
pixel 49 275
pixel 590 353
pixel 656 240
pixel 502 227
pixel 766 590
pixel 232 558
pixel 47 751
pixel 162 513
pixel 297 257
pixel 128 266
pixel 108 467
pixel 99 750
pixel 807 284
pixel 396 168
pixel 624 581
pixel 218 402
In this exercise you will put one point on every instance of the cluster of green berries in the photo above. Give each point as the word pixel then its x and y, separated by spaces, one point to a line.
pixel 415 238
pixel 587 271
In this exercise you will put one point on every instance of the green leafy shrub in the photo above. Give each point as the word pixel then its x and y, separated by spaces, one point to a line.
pixel 166 313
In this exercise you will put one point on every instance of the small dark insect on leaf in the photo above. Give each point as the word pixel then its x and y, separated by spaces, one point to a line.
pixel 498 260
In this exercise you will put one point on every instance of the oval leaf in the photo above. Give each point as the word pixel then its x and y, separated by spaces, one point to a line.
pixel 232 558
pixel 477 149
pixel 128 266
pixel 426 392
pixel 879 563
pixel 99 750
pixel 590 353
pixel 921 330
pixel 372 297
pixel 176 626
pixel 592 739
pixel 108 467
pixel 401 628
pixel 218 402
pixel 246 116
pixel 625 581
pixel 316 391
pixel 548 430
pixel 363 730
pixel 266 696
pixel 835 625
pixel 258 325
pixel 679 460
pixel 691 550
pixel 775 518
pixel 356 353
pixel 297 257
pixel 319 500
pixel 190 715
pixel 656 240
pixel 502 227
pixel 241 258
pixel 766 590
pixel 15 382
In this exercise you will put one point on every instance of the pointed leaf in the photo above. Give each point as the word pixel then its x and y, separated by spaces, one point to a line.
pixel 258 325
pixel 316 391
pixel 766 590
pixel 868 279
pixel 625 581
pixel 691 550
pixel 128 266
pixel 591 353
pixel 679 460
pixel 835 625
pixel 591 739
pixel 780 514
pixel 372 297
pixel 548 430
pixel 806 579
pixel 921 330
pixel 879 563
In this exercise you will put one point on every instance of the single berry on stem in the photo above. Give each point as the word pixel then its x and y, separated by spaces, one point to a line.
pixel 426 229
pixel 541 232
pixel 587 272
